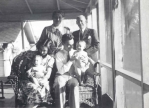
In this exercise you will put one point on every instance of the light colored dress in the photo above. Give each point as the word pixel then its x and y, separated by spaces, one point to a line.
pixel 29 93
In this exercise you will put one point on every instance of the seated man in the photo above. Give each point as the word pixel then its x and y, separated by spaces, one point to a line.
pixel 64 64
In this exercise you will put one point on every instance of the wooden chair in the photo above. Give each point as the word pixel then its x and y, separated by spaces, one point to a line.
pixel 89 93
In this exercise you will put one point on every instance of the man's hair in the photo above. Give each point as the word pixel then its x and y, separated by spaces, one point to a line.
pixel 81 16
pixel 67 28
pixel 57 12
pixel 66 37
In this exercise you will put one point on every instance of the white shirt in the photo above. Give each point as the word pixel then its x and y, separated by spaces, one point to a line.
pixel 62 64
pixel 82 30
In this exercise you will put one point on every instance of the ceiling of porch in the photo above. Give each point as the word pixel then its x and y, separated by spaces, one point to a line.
pixel 17 10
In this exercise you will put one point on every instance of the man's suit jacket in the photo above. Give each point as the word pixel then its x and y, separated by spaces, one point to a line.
pixel 91 39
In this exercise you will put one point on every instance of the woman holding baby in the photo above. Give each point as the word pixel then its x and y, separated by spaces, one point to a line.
pixel 36 89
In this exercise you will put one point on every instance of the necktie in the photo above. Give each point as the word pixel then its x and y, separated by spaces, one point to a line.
pixel 68 57
pixel 81 34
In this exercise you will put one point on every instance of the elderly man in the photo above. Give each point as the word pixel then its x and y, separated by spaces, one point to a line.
pixel 86 34
pixel 89 36
pixel 64 63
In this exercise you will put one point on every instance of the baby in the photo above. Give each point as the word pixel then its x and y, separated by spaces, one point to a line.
pixel 82 61
pixel 37 73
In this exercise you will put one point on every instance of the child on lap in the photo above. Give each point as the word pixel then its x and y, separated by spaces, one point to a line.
pixel 82 62
pixel 37 73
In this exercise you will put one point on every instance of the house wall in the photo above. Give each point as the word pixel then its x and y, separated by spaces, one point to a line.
pixel 1 64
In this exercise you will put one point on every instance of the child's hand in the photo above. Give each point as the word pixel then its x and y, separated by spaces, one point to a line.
pixel 41 83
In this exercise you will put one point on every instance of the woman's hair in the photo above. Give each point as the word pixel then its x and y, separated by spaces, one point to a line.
pixel 66 37
pixel 43 46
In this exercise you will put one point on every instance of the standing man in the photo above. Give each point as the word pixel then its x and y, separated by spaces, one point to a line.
pixel 64 64
pixel 91 39
pixel 86 34
pixel 51 36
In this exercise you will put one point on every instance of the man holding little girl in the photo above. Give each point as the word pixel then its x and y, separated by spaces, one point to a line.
pixel 72 64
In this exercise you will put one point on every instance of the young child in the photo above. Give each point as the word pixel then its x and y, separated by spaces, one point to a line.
pixel 82 61
pixel 37 73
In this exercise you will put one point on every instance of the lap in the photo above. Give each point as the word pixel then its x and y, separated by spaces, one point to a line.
pixel 65 79
pixel 33 93
pixel 72 82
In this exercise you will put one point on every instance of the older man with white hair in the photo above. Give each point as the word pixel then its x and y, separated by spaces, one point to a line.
pixel 90 37
pixel 86 34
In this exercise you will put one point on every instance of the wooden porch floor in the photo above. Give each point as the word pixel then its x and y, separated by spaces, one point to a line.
pixel 9 101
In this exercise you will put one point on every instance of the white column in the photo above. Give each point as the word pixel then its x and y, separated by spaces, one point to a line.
pixel 7 60
pixel 144 16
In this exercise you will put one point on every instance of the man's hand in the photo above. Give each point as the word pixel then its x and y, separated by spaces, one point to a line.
pixel 73 58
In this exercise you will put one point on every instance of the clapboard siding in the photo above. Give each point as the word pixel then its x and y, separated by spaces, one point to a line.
pixel 1 64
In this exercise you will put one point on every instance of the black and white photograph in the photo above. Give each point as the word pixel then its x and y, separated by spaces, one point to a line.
pixel 74 54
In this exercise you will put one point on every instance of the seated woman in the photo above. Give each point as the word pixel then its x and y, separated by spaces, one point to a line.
pixel 32 93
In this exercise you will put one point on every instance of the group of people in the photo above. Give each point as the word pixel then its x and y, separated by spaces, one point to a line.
pixel 70 54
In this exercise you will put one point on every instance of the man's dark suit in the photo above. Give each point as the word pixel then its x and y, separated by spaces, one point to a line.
pixel 92 42
pixel 91 39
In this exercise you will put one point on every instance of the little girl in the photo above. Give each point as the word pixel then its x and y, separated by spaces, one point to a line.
pixel 82 61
